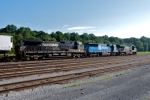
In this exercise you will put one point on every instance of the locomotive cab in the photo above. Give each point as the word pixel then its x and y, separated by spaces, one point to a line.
pixel 114 51
pixel 134 50
pixel 78 45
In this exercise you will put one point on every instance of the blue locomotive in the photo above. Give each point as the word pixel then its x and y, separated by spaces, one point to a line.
pixel 94 49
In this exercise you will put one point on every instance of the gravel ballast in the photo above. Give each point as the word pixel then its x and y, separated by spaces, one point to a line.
pixel 133 84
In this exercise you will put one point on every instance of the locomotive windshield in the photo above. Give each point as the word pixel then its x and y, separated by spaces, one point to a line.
pixel 78 45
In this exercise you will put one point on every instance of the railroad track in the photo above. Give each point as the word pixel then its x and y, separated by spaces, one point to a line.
pixel 53 61
pixel 93 66
pixel 13 73
pixel 17 86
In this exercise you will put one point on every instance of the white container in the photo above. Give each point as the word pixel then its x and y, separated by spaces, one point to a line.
pixel 5 43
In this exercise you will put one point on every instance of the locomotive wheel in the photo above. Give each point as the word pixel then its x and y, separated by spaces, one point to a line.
pixel 43 58
pixel 32 59
pixel 77 55
pixel 72 56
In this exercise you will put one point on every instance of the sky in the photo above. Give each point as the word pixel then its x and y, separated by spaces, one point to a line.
pixel 117 18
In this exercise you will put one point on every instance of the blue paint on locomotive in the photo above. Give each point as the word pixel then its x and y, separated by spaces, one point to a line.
pixel 104 48
pixel 99 48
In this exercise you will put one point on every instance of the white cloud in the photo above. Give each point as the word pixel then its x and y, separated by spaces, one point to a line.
pixel 80 28
pixel 80 31
pixel 18 25
pixel 142 29
pixel 49 31
pixel 132 30
pixel 27 23
pixel 65 25
pixel 96 32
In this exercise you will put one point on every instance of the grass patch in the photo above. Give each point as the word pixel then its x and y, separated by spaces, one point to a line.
pixel 74 84
pixel 113 74
pixel 107 76
pixel 147 96
pixel 7 54
pixel 146 52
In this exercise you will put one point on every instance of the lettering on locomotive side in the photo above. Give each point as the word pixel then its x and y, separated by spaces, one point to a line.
pixel 99 47
pixel 50 44
pixel 102 47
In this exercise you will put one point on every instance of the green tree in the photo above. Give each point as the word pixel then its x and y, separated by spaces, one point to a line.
pixel 92 36
pixel 43 36
pixel 67 36
pixel 139 45
pixel 74 36
pixel 145 45
pixel 59 36
pixel 84 36
pixel 9 29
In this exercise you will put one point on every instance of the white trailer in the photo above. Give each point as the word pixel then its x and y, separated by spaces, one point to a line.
pixel 5 43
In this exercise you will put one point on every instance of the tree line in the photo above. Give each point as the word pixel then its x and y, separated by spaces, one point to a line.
pixel 142 44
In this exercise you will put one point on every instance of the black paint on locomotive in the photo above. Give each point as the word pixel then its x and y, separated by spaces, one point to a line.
pixel 36 49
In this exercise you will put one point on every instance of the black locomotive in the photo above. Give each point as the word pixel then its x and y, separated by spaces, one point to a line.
pixel 36 49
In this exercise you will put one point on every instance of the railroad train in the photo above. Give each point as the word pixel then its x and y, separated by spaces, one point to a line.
pixel 38 49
